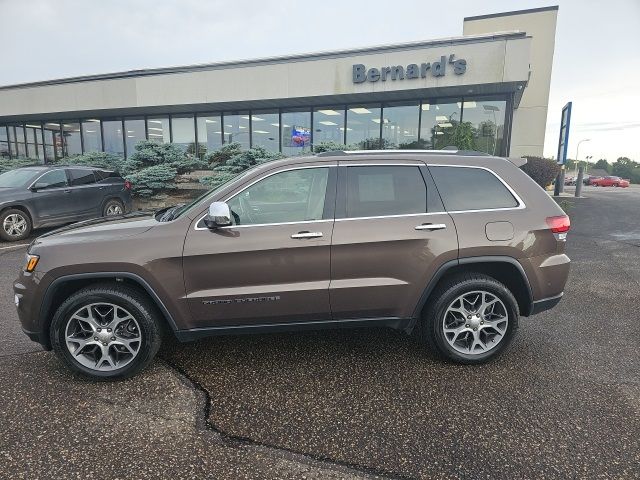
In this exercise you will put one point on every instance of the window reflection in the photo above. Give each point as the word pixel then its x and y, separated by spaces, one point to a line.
pixel 72 145
pixel 440 125
pixel 400 125
pixel 92 136
pixel 52 140
pixel 134 133
pixel 296 132
pixel 158 130
pixel 265 130
pixel 113 142
pixel 236 128
pixel 209 133
pixel 4 142
pixel 184 134
pixel 328 125
pixel 485 120
pixel 363 126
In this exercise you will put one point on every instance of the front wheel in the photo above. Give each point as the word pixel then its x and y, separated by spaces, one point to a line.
pixel 14 225
pixel 471 319
pixel 106 332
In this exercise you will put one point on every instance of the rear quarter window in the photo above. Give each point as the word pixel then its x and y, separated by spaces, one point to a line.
pixel 468 188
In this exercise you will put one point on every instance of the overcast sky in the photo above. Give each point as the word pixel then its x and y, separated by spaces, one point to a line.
pixel 596 62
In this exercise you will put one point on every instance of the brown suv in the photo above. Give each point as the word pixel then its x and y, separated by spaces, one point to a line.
pixel 451 247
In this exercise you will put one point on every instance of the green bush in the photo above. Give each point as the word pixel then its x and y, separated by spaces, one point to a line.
pixel 93 159
pixel 329 147
pixel 626 168
pixel 237 164
pixel 220 156
pixel 152 180
pixel 7 164
pixel 541 170
pixel 148 154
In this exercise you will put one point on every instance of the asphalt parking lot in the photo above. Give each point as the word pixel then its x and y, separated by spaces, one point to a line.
pixel 564 402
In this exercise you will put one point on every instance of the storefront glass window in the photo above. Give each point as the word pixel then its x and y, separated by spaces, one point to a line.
pixel 158 130
pixel 209 133
pixel 92 136
pixel 265 132
pixel 33 131
pixel 236 128
pixel 112 131
pixel 134 130
pixel 485 121
pixel 296 132
pixel 400 125
pixel 363 126
pixel 184 133
pixel 52 140
pixel 328 125
pixel 440 125
pixel 72 144
pixel 4 142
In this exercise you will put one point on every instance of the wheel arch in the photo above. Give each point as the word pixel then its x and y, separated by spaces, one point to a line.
pixel 60 289
pixel 506 270
pixel 19 206
pixel 108 198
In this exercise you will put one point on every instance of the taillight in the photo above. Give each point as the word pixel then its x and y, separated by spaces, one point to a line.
pixel 127 185
pixel 560 224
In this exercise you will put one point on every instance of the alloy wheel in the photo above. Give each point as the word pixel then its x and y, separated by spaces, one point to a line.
pixel 14 225
pixel 103 336
pixel 114 209
pixel 475 322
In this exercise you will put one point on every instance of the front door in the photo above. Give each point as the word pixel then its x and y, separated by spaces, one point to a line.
pixel 51 197
pixel 273 264
pixel 391 234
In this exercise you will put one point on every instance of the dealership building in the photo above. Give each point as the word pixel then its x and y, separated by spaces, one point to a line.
pixel 486 90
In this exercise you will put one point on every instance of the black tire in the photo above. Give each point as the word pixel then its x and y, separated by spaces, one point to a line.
pixel 430 327
pixel 8 237
pixel 110 204
pixel 132 300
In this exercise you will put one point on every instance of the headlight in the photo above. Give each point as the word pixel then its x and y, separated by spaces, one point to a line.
pixel 31 262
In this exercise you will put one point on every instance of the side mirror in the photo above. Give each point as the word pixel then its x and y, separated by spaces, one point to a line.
pixel 219 215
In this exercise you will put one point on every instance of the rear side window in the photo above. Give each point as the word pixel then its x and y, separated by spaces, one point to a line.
pixel 81 177
pixel 385 190
pixel 102 175
pixel 463 188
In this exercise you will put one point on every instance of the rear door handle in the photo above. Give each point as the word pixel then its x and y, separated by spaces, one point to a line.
pixel 67 190
pixel 307 235
pixel 431 226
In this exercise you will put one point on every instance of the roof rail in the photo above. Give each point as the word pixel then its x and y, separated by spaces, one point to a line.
pixel 449 151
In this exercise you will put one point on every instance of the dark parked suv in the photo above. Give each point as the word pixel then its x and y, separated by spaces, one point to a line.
pixel 448 246
pixel 39 196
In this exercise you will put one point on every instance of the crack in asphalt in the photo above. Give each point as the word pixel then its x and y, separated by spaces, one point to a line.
pixel 286 453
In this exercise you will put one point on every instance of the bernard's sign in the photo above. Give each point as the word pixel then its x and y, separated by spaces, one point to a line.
pixel 413 70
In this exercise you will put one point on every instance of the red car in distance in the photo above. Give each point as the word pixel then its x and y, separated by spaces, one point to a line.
pixel 610 182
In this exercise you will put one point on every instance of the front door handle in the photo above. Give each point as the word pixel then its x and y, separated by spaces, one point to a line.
pixel 67 190
pixel 431 226
pixel 307 235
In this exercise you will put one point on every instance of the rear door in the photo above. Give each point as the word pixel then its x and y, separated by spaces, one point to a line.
pixel 272 266
pixel 391 234
pixel 86 192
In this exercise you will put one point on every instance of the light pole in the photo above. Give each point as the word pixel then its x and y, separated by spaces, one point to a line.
pixel 578 147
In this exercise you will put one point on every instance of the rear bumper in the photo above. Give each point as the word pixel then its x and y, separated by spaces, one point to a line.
pixel 545 304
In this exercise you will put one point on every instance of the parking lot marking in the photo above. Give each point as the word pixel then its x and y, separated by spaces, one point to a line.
pixel 15 246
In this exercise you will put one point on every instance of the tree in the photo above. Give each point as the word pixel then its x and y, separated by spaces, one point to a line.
pixel 603 164
pixel 627 168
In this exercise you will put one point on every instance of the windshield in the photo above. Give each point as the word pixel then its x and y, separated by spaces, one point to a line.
pixel 16 178
pixel 185 208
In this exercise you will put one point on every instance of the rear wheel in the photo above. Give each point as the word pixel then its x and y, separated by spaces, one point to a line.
pixel 14 225
pixel 112 208
pixel 471 319
pixel 106 332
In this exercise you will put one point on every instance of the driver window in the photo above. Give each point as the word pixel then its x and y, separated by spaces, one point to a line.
pixel 53 179
pixel 290 196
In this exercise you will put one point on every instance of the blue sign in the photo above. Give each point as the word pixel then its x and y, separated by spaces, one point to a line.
pixel 300 136
pixel 563 143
